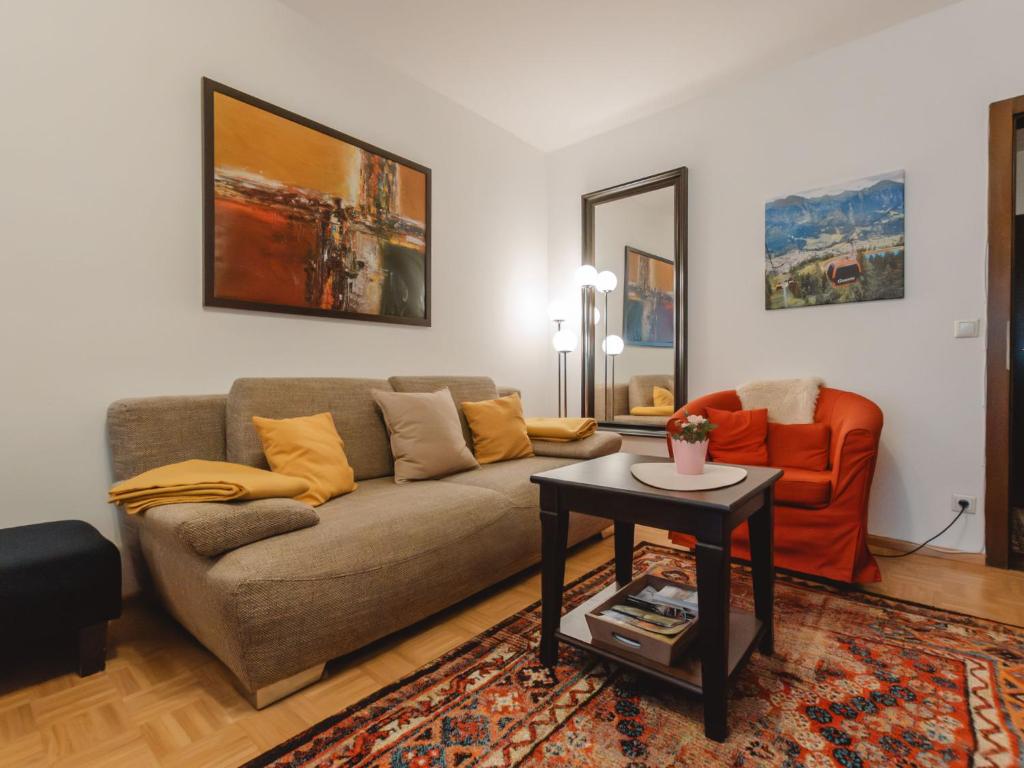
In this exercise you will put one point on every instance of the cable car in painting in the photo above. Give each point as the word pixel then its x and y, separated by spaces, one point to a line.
pixel 843 270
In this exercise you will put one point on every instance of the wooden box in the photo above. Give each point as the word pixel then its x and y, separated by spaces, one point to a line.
pixel 661 649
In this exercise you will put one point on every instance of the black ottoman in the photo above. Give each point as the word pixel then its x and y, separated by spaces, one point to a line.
pixel 61 577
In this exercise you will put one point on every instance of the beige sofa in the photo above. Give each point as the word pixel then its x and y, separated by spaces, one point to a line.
pixel 638 391
pixel 381 558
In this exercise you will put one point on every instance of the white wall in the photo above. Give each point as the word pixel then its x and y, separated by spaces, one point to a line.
pixel 100 220
pixel 914 96
pixel 646 222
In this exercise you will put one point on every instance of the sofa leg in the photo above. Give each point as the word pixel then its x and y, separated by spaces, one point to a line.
pixel 268 694
pixel 92 649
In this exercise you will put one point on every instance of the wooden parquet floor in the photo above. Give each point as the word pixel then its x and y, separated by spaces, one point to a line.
pixel 165 701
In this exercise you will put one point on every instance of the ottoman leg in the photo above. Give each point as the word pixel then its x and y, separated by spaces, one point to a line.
pixel 92 649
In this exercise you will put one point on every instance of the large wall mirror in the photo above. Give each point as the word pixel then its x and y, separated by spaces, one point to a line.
pixel 634 326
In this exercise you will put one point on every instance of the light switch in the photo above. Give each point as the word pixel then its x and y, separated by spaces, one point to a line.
pixel 966 329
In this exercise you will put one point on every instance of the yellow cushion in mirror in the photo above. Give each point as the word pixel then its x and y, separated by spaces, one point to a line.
pixel 663 397
pixel 499 430
pixel 651 410
pixel 311 448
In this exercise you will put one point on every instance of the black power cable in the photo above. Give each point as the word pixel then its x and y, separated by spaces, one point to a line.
pixel 963 509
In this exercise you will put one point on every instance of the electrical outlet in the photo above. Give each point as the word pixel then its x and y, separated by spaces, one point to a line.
pixel 972 503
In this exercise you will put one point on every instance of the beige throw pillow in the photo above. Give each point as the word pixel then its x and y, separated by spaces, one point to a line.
pixel 426 434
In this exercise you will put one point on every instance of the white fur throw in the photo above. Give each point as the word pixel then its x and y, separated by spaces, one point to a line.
pixel 789 401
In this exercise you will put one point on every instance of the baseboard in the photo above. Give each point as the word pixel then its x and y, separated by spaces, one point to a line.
pixel 898 545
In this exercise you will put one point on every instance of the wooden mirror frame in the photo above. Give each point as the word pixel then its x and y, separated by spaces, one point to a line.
pixel 676 179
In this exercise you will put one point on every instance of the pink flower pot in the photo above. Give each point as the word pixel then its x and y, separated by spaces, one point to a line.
pixel 689 457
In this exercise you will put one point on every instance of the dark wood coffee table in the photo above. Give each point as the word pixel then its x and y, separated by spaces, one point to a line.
pixel 605 487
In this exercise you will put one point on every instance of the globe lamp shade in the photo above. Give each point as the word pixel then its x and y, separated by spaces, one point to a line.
pixel 586 276
pixel 564 341
pixel 607 281
pixel 613 345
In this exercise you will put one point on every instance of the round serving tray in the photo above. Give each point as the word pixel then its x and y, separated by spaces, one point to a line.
pixel 663 475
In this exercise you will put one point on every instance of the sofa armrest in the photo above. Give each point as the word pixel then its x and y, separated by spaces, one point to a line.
pixel 506 391
pixel 598 444
pixel 619 402
pixel 213 528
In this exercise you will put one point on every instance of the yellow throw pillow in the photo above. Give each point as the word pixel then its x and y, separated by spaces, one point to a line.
pixel 663 397
pixel 311 448
pixel 652 410
pixel 499 430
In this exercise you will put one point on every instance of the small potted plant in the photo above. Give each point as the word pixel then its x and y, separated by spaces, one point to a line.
pixel 690 442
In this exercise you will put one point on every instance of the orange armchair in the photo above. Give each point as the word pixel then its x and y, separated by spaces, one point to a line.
pixel 821 518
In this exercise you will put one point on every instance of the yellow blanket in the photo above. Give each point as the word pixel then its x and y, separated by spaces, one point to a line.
pixel 560 430
pixel 198 480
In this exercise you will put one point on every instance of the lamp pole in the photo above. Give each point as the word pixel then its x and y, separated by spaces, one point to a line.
pixel 609 400
pixel 558 361
pixel 564 342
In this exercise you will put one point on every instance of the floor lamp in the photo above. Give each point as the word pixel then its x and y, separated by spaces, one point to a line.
pixel 586 280
pixel 612 347
pixel 564 342
pixel 606 283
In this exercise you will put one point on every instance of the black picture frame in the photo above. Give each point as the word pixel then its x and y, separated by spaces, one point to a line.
pixel 210 299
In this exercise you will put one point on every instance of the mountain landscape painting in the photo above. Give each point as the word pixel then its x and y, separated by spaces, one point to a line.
pixel 837 244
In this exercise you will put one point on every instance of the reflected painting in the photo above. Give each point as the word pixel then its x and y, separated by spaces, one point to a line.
pixel 837 244
pixel 303 219
pixel 648 318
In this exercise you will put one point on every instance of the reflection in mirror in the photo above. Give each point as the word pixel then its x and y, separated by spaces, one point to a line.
pixel 634 238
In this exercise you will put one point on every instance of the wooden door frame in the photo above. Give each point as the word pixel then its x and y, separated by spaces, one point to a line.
pixel 998 413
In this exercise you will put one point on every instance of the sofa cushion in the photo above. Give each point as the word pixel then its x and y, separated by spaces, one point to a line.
pixel 210 529
pixel 511 478
pixel 308 447
pixel 798 445
pixel 499 429
pixel 663 397
pixel 426 439
pixel 349 401
pixel 377 526
pixel 739 436
pixel 803 487
pixel 463 389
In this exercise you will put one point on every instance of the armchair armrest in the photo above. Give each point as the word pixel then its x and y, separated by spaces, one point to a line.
pixel 856 427
pixel 598 444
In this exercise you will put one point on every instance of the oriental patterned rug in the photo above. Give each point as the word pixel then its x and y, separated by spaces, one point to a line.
pixel 856 680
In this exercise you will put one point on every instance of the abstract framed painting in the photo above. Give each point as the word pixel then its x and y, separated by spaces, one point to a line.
pixel 648 314
pixel 303 219
pixel 837 244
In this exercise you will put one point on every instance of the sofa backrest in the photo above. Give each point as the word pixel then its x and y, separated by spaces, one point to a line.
pixel 349 401
pixel 641 388
pixel 148 432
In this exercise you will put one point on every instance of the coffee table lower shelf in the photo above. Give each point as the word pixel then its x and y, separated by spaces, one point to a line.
pixel 745 632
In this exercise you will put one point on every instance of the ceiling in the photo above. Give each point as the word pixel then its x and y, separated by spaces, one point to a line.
pixel 554 72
